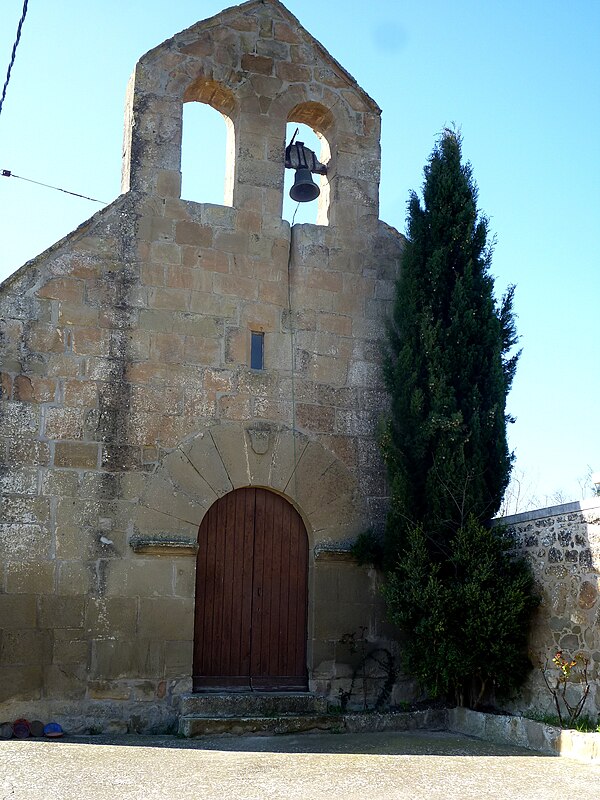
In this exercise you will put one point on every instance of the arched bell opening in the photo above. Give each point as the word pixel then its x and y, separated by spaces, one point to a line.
pixel 314 123
pixel 251 607
pixel 293 211
pixel 208 150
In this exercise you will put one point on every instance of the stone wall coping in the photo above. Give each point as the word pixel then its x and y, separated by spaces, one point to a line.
pixel 550 511
pixel 156 545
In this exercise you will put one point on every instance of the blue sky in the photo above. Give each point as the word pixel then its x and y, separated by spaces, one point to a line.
pixel 520 79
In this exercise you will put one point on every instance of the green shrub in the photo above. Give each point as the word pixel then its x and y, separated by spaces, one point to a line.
pixel 466 616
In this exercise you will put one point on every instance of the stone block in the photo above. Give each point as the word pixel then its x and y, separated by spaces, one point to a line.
pixel 152 274
pixel 206 459
pixel 168 183
pixel 27 510
pixel 34 389
pixel 19 419
pixel 76 455
pixel 127 658
pixel 17 611
pixel 120 458
pixel 60 484
pixel 62 365
pixel 316 470
pixel 68 290
pixel 232 447
pixel 60 612
pixel 165 253
pixel 197 325
pixel 76 314
pixel 149 520
pixel 22 386
pixel 289 448
pixel 65 681
pixel 108 690
pixel 354 584
pixel 328 369
pixel 193 234
pixel 202 351
pixel 274 292
pixel 20 683
pixel 64 423
pixel 178 658
pixel 80 393
pixel 166 619
pixel 18 482
pixel 161 495
pixel 215 305
pixel 136 577
pixel 185 578
pixel 166 347
pixel 169 298
pixel 316 418
pixel 26 647
pixel 71 541
pixel 257 63
pixel 111 617
pixel 69 647
pixel 186 477
pixel 24 542
pixel 293 73
pixel 29 577
pixel 25 452
pixel 74 578
pixel 339 324
pixel 236 285
pixel 328 623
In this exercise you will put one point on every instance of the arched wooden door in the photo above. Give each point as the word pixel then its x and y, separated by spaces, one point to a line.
pixel 251 595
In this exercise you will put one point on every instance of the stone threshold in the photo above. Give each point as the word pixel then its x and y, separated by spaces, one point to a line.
pixel 496 728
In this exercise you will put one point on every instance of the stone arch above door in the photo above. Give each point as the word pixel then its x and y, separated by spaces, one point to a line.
pixel 230 456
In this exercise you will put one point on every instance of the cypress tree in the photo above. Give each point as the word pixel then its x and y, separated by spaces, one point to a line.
pixel 453 583
pixel 447 367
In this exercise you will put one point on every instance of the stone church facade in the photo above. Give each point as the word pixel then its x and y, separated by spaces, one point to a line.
pixel 174 519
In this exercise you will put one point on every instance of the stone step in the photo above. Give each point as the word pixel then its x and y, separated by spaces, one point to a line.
pixel 252 704
pixel 190 726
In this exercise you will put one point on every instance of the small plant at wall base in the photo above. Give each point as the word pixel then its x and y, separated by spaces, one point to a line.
pixel 453 584
pixel 567 671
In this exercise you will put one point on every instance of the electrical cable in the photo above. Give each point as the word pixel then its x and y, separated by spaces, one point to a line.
pixel 293 358
pixel 14 52
pixel 295 212
pixel 6 173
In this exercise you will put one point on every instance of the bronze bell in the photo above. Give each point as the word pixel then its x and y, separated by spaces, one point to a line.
pixel 304 189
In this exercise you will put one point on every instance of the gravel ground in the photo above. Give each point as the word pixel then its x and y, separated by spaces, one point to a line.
pixel 312 766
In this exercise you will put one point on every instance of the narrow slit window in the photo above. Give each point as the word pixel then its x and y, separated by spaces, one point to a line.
pixel 257 350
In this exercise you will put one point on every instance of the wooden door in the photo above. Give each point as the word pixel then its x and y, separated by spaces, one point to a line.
pixel 251 595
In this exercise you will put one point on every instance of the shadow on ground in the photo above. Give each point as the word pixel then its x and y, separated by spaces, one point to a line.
pixel 414 743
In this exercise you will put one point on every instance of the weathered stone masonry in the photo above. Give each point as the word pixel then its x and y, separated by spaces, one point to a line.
pixel 127 402
pixel 562 544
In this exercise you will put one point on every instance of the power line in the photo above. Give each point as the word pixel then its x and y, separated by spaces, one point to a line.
pixel 14 52
pixel 6 173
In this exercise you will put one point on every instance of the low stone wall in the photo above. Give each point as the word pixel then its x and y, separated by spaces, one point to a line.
pixel 524 732
pixel 562 543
